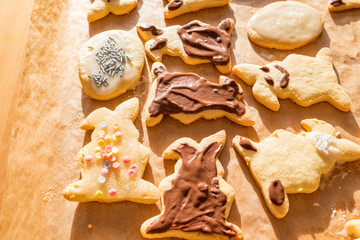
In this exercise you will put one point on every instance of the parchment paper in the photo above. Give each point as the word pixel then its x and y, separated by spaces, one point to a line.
pixel 51 104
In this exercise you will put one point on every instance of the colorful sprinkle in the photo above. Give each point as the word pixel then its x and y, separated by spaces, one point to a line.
pixel 102 180
pixel 115 150
pixel 115 126
pixel 126 159
pixel 101 138
pixel 98 155
pixel 112 158
pixel 99 194
pixel 104 171
pixel 116 165
pixel 108 148
pixel 103 152
pixel 103 124
pixel 101 142
pixel 88 158
pixel 134 167
pixel 90 226
pixel 118 134
pixel 107 165
pixel 112 191
pixel 105 157
pixel 131 173
pixel 107 138
pixel 97 149
pixel 101 133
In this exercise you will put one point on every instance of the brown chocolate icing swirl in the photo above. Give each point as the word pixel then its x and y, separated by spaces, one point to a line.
pixel 285 78
pixel 269 80
pixel 209 42
pixel 194 202
pixel 154 30
pixel 245 143
pixel 175 4
pixel 264 69
pixel 276 192
pixel 336 3
pixel 189 93
pixel 159 43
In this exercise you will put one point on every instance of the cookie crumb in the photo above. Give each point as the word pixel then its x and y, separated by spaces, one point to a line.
pixel 90 226
pixel 316 204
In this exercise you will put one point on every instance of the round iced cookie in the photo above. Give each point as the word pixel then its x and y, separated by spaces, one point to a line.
pixel 285 25
pixel 110 63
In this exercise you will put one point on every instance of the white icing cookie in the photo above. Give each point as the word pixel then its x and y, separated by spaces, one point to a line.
pixel 285 163
pixel 110 63
pixel 179 7
pixel 101 8
pixel 113 163
pixel 305 80
pixel 285 25
pixel 342 5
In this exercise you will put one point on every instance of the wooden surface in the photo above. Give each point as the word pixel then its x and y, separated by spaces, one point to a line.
pixel 14 26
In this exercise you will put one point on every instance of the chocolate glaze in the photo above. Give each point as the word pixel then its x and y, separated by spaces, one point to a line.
pixel 159 43
pixel 336 3
pixel 175 4
pixel 264 69
pixel 245 143
pixel 269 80
pixel 189 93
pixel 276 192
pixel 154 30
pixel 284 80
pixel 207 42
pixel 194 202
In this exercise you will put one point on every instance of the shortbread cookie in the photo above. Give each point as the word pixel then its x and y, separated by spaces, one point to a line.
pixel 188 97
pixel 196 200
pixel 285 25
pixel 113 163
pixel 352 229
pixel 178 7
pixel 101 8
pixel 195 42
pixel 110 63
pixel 342 5
pixel 286 163
pixel 305 80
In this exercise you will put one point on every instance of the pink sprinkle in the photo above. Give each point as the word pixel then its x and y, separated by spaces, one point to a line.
pixel 131 173
pixel 126 159
pixel 104 171
pixel 88 158
pixel 134 167
pixel 116 165
pixel 112 158
pixel 115 126
pixel 105 157
pixel 112 191
pixel 108 148
pixel 102 152
pixel 101 137
pixel 118 134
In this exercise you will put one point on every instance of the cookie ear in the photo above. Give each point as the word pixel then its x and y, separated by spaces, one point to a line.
pixel 129 109
pixel 227 25
pixel 279 211
pixel 319 126
pixel 349 151
pixel 249 73
pixel 92 119
pixel 157 68
pixel 98 9
pixel 325 54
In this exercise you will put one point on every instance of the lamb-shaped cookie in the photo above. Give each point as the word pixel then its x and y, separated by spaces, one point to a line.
pixel 305 80
pixel 195 43
pixel 196 200
pixel 188 97
pixel 101 8
pixel 285 163
pixel 113 163
pixel 179 7
pixel 342 5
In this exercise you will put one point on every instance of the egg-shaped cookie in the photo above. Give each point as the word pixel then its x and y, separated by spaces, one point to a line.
pixel 285 25
pixel 110 63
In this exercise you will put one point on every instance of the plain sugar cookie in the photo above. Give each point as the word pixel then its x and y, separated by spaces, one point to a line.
pixel 285 25
pixel 342 5
pixel 179 7
pixel 110 63
pixel 286 163
pixel 101 8
pixel 196 199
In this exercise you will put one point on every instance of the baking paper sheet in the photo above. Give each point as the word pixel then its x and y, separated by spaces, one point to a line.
pixel 51 105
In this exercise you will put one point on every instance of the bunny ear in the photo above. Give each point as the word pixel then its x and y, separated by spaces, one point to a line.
pixel 129 109
pixel 98 9
pixel 349 151
pixel 319 126
pixel 156 69
pixel 227 25
pixel 249 73
pixel 325 54
pixel 93 118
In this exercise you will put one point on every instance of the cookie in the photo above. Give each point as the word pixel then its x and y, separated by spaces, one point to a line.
pixel 101 8
pixel 196 200
pixel 195 43
pixel 286 163
pixel 285 25
pixel 113 163
pixel 110 63
pixel 352 229
pixel 342 5
pixel 305 80
pixel 188 97
pixel 179 7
